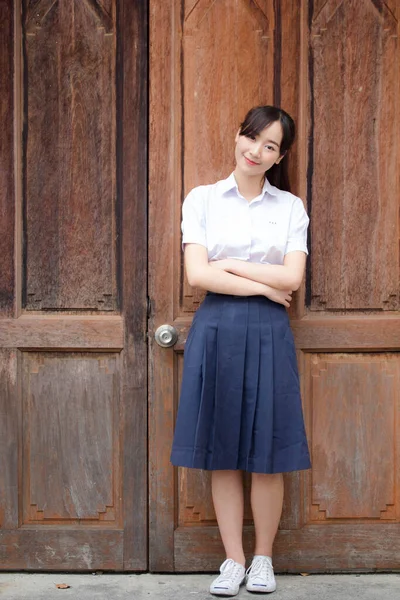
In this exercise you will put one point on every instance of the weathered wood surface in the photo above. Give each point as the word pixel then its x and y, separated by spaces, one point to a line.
pixel 331 333
pixel 198 139
pixel 164 262
pixel 10 432
pixel 70 155
pixel 65 550
pixel 355 157
pixel 73 373
pixel 315 549
pixel 309 57
pixel 7 212
pixel 132 189
pixel 71 474
pixel 51 331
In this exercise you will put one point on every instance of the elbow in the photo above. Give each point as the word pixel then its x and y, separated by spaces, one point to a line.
pixel 194 277
pixel 296 283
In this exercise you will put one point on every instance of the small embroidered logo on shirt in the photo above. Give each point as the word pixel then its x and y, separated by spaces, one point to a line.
pixel 272 222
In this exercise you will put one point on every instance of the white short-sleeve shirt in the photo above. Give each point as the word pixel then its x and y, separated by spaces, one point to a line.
pixel 218 217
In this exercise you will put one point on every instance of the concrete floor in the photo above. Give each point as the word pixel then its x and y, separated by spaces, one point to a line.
pixel 38 586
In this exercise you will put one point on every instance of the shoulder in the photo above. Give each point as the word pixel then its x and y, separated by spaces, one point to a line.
pixel 293 203
pixel 285 197
pixel 202 194
pixel 202 191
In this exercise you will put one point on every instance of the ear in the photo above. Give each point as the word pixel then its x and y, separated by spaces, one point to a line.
pixel 279 159
pixel 237 136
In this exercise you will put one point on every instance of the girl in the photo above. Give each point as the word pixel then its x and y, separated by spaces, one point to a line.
pixel 240 408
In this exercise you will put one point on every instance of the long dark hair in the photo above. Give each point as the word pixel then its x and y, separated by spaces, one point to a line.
pixel 257 119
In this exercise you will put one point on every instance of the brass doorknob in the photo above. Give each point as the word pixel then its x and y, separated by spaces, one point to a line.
pixel 166 336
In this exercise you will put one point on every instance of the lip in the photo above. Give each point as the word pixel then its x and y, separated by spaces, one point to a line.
pixel 251 162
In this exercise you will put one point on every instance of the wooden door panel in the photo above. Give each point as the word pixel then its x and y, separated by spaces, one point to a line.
pixel 355 258
pixel 70 156
pixel 333 66
pixel 73 352
pixel 70 473
pixel 354 405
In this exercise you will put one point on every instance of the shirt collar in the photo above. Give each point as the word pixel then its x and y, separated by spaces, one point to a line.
pixel 230 183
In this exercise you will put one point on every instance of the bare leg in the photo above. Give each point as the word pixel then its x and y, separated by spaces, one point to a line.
pixel 266 504
pixel 227 493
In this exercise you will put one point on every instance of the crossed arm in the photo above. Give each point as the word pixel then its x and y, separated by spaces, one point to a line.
pixel 241 278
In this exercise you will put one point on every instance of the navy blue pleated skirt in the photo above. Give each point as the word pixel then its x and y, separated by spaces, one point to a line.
pixel 240 404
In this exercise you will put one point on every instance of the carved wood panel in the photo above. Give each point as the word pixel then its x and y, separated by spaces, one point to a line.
pixel 355 406
pixel 71 441
pixel 70 155
pixel 355 184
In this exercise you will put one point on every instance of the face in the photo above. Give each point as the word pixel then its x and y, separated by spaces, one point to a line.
pixel 256 155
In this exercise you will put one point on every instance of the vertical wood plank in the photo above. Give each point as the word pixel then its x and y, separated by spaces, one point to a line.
pixel 9 440
pixel 132 77
pixel 294 98
pixel 164 191
pixel 6 157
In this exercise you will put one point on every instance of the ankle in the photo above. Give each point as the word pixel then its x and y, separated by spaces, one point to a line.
pixel 263 552
pixel 238 558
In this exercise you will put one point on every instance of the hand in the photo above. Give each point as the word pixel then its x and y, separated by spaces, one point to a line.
pixel 280 296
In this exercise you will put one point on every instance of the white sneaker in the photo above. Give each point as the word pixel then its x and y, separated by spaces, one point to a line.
pixel 228 583
pixel 260 575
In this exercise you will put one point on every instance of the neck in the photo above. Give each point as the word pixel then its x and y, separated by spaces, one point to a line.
pixel 249 186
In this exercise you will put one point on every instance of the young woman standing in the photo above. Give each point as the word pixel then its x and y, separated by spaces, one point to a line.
pixel 240 407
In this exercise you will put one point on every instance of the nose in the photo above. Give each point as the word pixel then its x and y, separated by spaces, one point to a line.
pixel 256 149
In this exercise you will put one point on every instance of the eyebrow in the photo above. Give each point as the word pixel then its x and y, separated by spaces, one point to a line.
pixel 272 142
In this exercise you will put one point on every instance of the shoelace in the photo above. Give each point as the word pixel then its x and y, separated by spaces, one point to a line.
pixel 261 567
pixel 229 570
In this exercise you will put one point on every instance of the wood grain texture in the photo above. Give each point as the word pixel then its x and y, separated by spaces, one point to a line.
pixel 70 155
pixel 220 41
pixel 132 111
pixel 7 207
pixel 71 443
pixel 311 550
pixel 355 402
pixel 10 432
pixel 69 332
pixel 355 183
pixel 199 145
pixel 341 332
pixel 164 263
pixel 61 550
pixel 74 405
pixel 291 45
pixel 352 190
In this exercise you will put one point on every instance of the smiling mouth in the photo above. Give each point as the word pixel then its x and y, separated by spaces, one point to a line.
pixel 250 162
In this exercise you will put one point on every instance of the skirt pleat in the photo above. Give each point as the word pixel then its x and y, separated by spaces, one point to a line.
pixel 240 404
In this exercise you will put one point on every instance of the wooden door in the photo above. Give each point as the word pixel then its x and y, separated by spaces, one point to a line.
pixel 73 473
pixel 333 64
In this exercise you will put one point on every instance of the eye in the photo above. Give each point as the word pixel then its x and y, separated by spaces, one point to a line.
pixel 270 148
